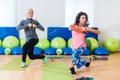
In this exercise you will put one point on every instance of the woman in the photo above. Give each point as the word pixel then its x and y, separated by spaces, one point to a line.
pixel 29 25
pixel 79 30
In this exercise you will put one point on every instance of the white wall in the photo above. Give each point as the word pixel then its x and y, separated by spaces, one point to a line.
pixel 102 13
pixel 47 12
pixel 7 13
pixel 107 18
pixel 73 7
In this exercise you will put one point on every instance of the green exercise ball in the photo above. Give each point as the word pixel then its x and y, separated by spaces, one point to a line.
pixel 22 42
pixel 58 42
pixel 10 42
pixel 111 44
pixel 69 42
pixel 43 43
pixel 0 42
pixel 7 51
pixel 59 51
pixel 91 43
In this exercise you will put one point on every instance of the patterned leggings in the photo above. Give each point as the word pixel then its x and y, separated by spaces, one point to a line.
pixel 76 57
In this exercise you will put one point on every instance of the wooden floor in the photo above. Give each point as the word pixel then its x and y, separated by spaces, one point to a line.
pixel 99 70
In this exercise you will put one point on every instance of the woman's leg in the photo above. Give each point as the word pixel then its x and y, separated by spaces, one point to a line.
pixel 74 61
pixel 32 56
pixel 25 47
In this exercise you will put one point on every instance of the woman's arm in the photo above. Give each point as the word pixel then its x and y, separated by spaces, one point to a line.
pixel 39 26
pixel 73 28
pixel 21 25
pixel 93 30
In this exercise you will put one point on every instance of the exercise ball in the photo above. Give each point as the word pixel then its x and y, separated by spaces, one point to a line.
pixel 86 51
pixel 69 42
pixel 43 43
pixel 91 43
pixel 111 44
pixel 22 42
pixel 10 42
pixel 59 51
pixel 58 42
pixel 2 50
pixel 7 51
pixel 37 51
pixel 50 51
pixel 67 51
pixel 0 42
pixel 16 50
pixel 101 51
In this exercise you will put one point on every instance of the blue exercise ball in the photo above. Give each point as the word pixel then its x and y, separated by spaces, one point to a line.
pixel 2 50
pixel 50 51
pixel 37 51
pixel 86 51
pixel 67 51
pixel 101 51
pixel 16 51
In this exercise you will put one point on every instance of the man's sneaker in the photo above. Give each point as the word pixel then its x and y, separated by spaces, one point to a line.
pixel 72 70
pixel 88 63
pixel 23 64
pixel 44 60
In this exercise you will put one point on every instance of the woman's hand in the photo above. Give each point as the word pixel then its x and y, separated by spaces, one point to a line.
pixel 30 25
pixel 34 25
pixel 89 29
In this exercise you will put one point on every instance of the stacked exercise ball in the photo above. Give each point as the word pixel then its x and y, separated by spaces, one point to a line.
pixel 16 50
pixel 10 45
pixel 0 42
pixel 22 42
pixel 58 42
pixel 69 42
pixel 43 43
pixel 10 42
pixel 50 51
pixel 7 51
pixel 59 51
pixel 91 43
pixel 111 44
pixel 2 50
